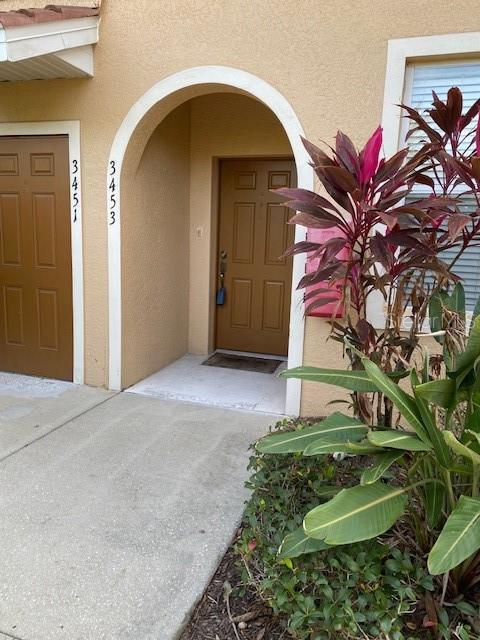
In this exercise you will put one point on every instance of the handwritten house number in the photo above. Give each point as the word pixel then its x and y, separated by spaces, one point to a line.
pixel 113 193
pixel 75 200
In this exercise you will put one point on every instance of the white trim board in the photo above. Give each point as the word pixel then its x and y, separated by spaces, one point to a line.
pixel 401 52
pixel 71 128
pixel 421 49
pixel 273 99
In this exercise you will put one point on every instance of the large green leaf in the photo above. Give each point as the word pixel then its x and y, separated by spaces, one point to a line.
pixel 434 433
pixel 435 313
pixel 352 380
pixel 355 514
pixel 456 301
pixel 434 499
pixel 327 491
pixel 362 448
pixel 404 402
pixel 298 543
pixel 459 539
pixel 466 359
pixel 396 439
pixel 460 448
pixel 382 463
pixel 439 392
pixel 337 428
pixel 476 311
pixel 324 446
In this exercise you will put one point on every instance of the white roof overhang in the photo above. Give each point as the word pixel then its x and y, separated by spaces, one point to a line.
pixel 47 50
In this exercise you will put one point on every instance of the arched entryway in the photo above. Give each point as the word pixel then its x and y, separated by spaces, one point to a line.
pixel 129 147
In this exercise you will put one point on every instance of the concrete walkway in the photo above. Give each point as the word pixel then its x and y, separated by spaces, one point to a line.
pixel 112 523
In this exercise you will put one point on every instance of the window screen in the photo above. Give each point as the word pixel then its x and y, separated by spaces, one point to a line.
pixel 422 79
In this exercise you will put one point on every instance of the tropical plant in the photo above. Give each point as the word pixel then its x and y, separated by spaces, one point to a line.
pixel 395 245
pixel 434 452
pixel 368 590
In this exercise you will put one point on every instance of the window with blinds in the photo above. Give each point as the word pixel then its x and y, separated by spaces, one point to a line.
pixel 421 80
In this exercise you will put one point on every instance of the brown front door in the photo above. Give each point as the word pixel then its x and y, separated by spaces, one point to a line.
pixel 253 235
pixel 36 328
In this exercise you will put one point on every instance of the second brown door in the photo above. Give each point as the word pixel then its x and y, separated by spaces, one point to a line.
pixel 36 329
pixel 253 235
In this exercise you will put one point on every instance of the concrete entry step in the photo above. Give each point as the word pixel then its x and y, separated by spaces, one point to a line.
pixel 186 379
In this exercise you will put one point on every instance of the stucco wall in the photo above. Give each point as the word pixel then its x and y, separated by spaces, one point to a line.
pixel 155 251
pixel 328 60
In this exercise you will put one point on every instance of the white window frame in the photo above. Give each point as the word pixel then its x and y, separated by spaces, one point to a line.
pixel 71 128
pixel 402 52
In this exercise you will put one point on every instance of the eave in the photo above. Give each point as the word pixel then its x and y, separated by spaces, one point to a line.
pixel 47 50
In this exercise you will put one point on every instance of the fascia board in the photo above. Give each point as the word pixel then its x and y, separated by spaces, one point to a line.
pixel 33 40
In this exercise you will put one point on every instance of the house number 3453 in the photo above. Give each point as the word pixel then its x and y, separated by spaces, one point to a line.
pixel 112 188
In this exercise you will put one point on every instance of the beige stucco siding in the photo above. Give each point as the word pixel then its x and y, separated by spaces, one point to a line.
pixel 327 58
pixel 155 256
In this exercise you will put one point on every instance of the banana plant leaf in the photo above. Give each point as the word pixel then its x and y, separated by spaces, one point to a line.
pixel 298 543
pixel 336 428
pixel 346 379
pixel 355 514
pixel 435 434
pixel 476 311
pixel 396 439
pixel 363 448
pixel 456 301
pixel 461 449
pixel 439 392
pixel 438 301
pixel 383 462
pixel 434 501
pixel 403 402
pixel 472 351
pixel 322 447
pixel 327 491
pixel 459 539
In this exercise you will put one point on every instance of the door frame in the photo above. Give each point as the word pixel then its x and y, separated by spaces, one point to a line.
pixel 70 128
pixel 217 221
pixel 171 87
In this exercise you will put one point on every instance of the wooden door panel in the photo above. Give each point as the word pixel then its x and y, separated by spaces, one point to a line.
pixel 241 304
pixel 13 308
pixel 47 319
pixel 44 229
pixel 254 234
pixel 243 232
pixel 273 301
pixel 36 324
pixel 276 234
pixel 8 164
pixel 10 229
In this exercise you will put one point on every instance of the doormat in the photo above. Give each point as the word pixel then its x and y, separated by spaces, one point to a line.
pixel 243 363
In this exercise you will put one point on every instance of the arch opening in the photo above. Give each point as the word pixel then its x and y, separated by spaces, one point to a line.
pixel 162 195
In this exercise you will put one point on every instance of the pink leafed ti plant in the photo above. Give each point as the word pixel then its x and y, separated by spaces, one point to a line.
pixel 394 241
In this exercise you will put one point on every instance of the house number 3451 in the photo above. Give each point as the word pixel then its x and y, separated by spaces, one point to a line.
pixel 75 200
pixel 112 188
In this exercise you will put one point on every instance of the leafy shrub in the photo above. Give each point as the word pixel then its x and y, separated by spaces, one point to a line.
pixel 438 458
pixel 364 590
